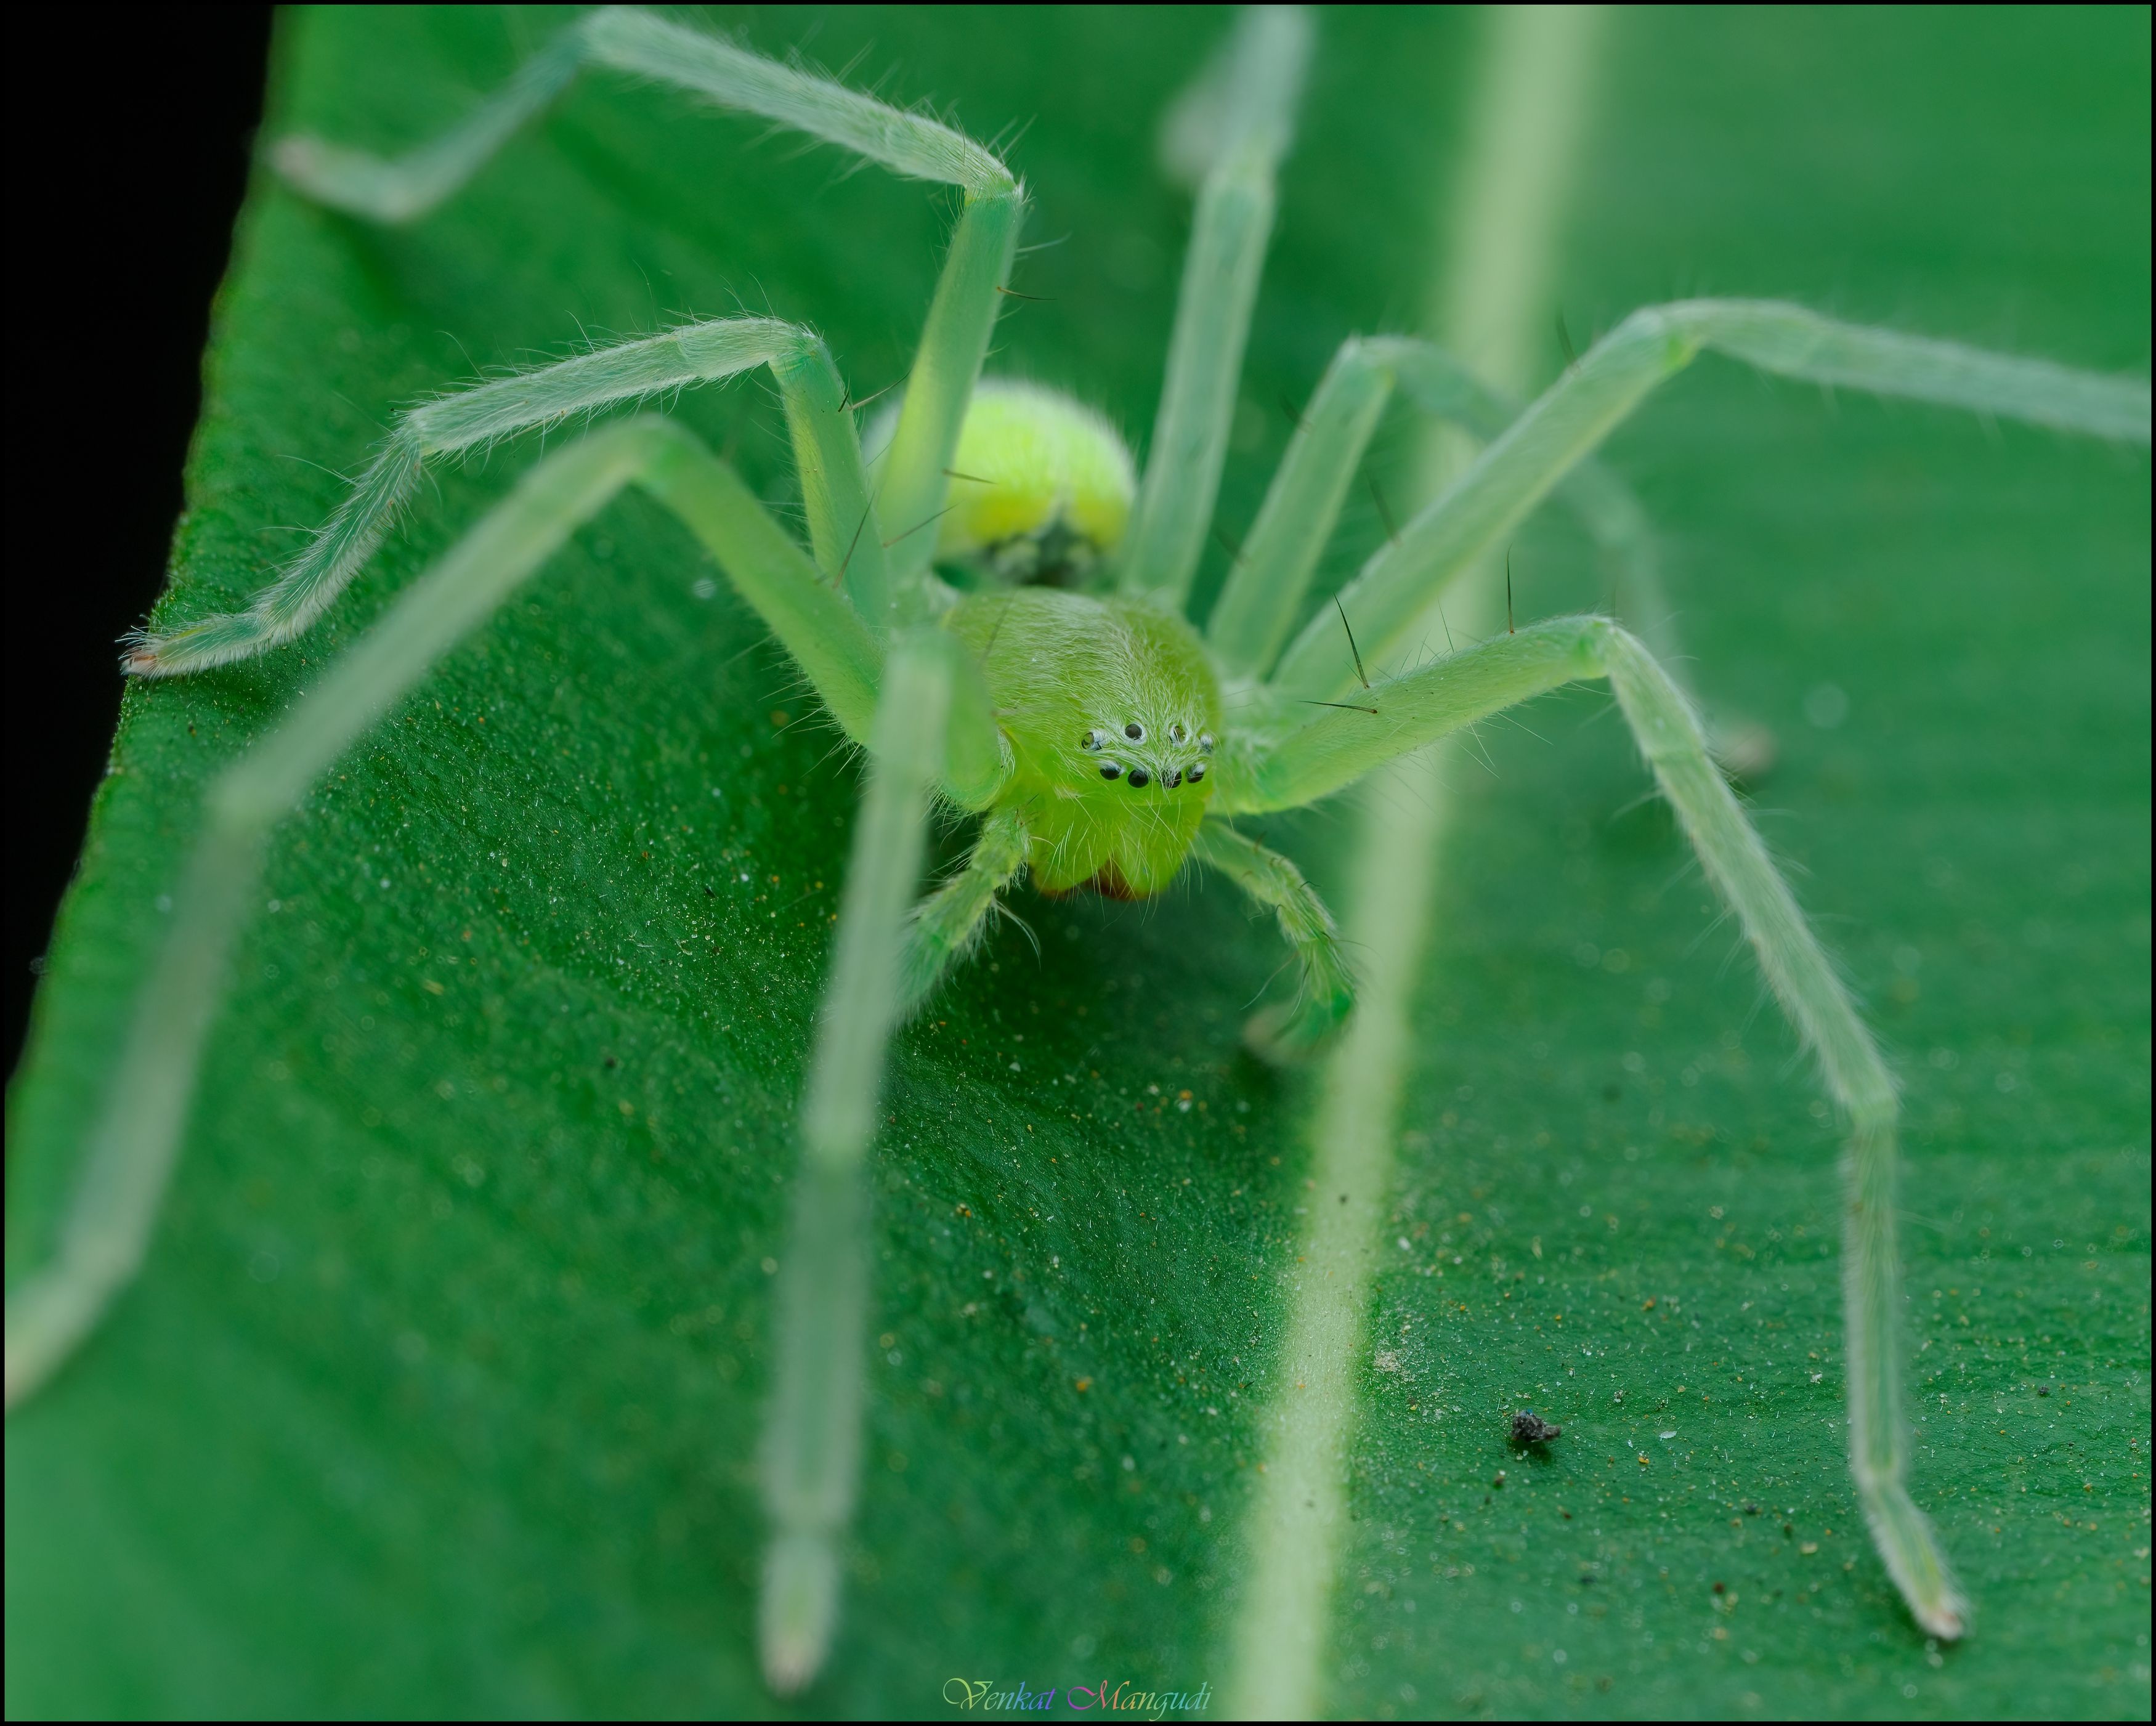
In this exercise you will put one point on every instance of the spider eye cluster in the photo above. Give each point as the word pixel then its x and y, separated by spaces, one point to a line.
pixel 1192 746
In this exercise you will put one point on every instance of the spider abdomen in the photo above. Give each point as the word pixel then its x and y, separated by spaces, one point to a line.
pixel 1114 717
pixel 1041 485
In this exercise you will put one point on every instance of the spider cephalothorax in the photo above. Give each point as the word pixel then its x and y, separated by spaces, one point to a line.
pixel 1111 709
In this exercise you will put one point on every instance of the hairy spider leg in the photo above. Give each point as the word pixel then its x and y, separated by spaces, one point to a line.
pixel 1226 134
pixel 1388 597
pixel 132 1149
pixel 871 545
pixel 1268 584
pixel 1395 590
pixel 811 1451
pixel 848 532
pixel 1397 586
pixel 626 39
pixel 1546 449
pixel 947 925
pixel 1335 747
pixel 825 450
pixel 976 272
pixel 1325 992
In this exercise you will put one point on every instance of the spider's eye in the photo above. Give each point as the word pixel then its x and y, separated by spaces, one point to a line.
pixel 1177 734
pixel 1197 772
pixel 1110 770
pixel 1139 776
pixel 1093 740
pixel 1172 777
pixel 1205 742
pixel 1135 731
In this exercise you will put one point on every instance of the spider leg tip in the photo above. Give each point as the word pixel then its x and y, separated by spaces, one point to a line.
pixel 1948 1620
pixel 800 1600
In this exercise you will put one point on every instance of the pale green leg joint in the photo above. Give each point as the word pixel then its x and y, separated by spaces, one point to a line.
pixel 825 447
pixel 1803 979
pixel 628 39
pixel 1326 992
pixel 1267 585
pixel 916 477
pixel 946 925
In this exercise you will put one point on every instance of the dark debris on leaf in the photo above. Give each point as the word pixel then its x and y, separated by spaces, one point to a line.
pixel 1529 1427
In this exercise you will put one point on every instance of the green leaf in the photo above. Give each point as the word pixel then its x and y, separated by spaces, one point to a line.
pixel 440 1393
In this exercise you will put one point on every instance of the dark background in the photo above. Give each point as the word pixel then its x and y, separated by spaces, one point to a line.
pixel 134 215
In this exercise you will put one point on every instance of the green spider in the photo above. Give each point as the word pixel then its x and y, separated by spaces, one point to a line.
pixel 1102 738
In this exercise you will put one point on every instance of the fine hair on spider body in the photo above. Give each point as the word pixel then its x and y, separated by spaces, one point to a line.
pixel 1101 736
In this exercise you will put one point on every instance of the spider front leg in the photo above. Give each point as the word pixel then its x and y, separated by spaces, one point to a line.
pixel 1392 593
pixel 1340 745
pixel 136 1141
pixel 812 1435
pixel 833 485
pixel 888 960
pixel 931 730
pixel 1269 582
pixel 1803 979
pixel 976 270
pixel 1226 134
pixel 131 1148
